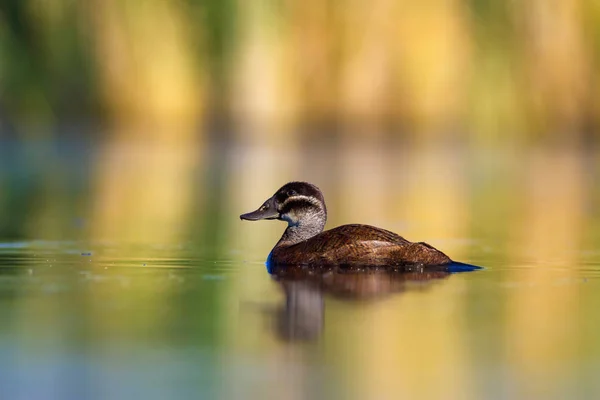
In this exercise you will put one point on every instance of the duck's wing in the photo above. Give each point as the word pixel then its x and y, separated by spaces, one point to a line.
pixel 365 245
pixel 367 233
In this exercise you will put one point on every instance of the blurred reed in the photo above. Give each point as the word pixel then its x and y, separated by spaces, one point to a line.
pixel 483 70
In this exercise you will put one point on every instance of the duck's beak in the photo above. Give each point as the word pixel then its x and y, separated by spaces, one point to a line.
pixel 266 211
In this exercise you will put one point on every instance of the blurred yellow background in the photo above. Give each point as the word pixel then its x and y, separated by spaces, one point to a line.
pixel 402 99
pixel 473 69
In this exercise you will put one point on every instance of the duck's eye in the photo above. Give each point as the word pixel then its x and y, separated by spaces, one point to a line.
pixel 291 192
pixel 263 207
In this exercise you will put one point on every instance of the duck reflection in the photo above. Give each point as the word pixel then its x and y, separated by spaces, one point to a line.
pixel 302 316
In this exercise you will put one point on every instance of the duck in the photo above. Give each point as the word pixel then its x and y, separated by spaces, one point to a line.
pixel 348 247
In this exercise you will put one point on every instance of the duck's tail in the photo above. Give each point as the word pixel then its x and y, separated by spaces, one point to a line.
pixel 456 266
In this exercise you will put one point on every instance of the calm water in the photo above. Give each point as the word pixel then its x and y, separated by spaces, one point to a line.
pixel 127 274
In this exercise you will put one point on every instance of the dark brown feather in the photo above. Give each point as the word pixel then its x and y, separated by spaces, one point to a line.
pixel 357 246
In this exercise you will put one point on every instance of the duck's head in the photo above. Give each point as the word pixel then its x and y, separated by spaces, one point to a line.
pixel 298 203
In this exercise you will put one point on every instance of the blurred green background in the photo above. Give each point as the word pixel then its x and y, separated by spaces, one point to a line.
pixel 133 135
pixel 471 69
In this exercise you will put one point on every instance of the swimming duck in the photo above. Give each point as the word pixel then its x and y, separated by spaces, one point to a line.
pixel 304 242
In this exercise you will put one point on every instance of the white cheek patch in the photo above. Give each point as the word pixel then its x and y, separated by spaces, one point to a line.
pixel 308 199
pixel 291 218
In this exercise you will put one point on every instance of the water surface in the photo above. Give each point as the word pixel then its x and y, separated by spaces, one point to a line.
pixel 123 282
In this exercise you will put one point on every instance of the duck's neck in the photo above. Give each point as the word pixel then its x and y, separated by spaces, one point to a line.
pixel 305 227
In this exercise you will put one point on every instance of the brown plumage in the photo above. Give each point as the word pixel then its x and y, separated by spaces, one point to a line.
pixel 357 246
pixel 302 205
